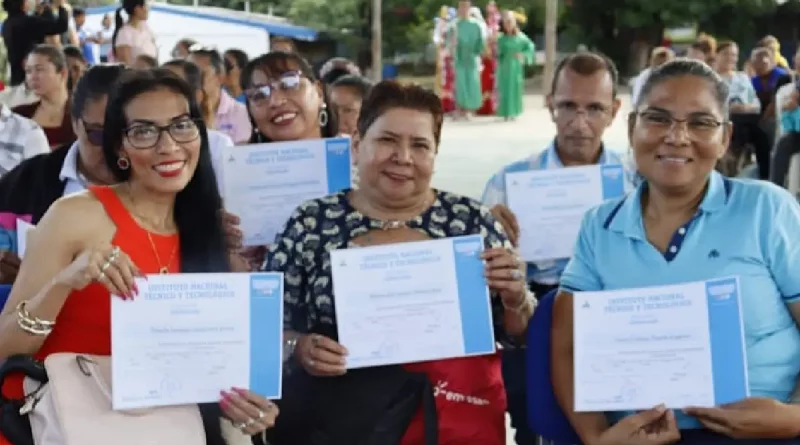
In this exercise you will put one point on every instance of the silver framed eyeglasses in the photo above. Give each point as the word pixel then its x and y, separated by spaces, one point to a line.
pixel 289 81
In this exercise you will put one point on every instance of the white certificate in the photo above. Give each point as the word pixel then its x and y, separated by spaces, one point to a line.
pixel 549 205
pixel 680 345
pixel 187 337
pixel 264 183
pixel 24 229
pixel 412 302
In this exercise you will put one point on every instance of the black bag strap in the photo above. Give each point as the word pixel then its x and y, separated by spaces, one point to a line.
pixel 429 415
pixel 24 364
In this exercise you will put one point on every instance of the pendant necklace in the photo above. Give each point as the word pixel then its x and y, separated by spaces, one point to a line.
pixel 163 268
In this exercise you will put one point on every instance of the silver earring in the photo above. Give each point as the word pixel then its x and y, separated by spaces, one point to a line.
pixel 323 116
pixel 123 163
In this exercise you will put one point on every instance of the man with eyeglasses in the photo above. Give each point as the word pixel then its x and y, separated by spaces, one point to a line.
pixel 583 102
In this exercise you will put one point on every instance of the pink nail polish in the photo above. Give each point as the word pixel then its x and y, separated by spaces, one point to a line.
pixel 224 404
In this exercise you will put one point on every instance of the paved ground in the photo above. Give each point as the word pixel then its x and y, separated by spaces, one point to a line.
pixel 472 151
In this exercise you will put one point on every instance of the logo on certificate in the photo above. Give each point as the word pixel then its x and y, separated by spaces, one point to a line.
pixel 263 287
pixel 231 159
pixel 585 305
pixel 338 147
pixel 612 172
pixel 722 291
pixel 343 263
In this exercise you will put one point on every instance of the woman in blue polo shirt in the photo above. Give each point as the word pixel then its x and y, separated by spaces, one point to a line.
pixel 687 223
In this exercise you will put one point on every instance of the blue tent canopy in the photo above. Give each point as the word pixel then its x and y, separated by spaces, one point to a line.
pixel 226 16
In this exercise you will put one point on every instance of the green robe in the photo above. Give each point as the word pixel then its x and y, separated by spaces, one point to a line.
pixel 510 72
pixel 469 46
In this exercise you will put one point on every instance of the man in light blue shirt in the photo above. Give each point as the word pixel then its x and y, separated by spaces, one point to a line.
pixel 583 103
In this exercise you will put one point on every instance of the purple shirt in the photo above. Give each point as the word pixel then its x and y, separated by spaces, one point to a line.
pixel 232 119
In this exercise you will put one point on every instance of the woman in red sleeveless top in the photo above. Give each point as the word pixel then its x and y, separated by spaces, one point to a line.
pixel 161 218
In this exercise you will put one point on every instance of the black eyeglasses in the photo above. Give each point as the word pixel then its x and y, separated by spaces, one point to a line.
pixel 289 81
pixel 93 133
pixel 145 135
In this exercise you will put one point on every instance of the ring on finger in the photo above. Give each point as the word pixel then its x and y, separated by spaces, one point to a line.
pixel 516 274
pixel 101 276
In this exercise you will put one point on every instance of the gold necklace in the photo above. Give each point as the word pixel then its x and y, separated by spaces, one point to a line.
pixel 162 268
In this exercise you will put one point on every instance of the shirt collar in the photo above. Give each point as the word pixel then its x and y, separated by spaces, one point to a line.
pixel 626 217
pixel 69 170
pixel 549 159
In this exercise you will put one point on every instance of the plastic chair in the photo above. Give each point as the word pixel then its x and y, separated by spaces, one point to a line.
pixel 5 290
pixel 545 417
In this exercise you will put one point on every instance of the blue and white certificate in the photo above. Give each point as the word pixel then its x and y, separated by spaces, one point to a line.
pixel 412 302
pixel 264 183
pixel 680 345
pixel 549 205
pixel 186 337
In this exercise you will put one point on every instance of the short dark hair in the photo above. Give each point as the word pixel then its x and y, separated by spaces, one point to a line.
pixel 96 83
pixel 359 84
pixel 74 52
pixel 586 63
pixel 191 72
pixel 390 94
pixel 77 12
pixel 686 67
pixel 214 58
pixel 13 6
pixel 239 57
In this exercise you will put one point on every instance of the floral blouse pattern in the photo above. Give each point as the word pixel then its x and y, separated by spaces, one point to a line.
pixel 317 227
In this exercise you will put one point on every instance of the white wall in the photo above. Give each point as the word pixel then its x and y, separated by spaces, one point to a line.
pixel 170 28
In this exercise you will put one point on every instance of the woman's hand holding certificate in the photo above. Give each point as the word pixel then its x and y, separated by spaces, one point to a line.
pixel 751 418
pixel 320 356
pixel 249 412
pixel 655 426
pixel 505 274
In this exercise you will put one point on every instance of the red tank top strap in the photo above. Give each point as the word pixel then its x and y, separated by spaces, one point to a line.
pixel 114 207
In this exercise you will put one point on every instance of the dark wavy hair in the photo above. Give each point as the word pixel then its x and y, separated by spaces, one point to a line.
pixel 95 84
pixel 274 64
pixel 197 207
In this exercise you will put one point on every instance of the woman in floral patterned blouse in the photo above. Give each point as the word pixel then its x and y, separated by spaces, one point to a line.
pixel 395 149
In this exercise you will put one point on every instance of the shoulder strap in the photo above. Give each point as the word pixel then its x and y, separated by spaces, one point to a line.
pixel 113 206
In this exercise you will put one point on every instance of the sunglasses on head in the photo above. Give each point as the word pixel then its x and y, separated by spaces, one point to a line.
pixel 93 133
pixel 288 81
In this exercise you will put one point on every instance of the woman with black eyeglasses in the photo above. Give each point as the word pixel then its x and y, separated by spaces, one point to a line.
pixel 161 216
pixel 28 190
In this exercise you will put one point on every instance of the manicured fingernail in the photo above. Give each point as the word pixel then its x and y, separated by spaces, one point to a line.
pixel 135 288
pixel 240 391
pixel 224 404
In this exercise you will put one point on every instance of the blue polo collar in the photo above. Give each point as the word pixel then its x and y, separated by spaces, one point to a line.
pixel 626 217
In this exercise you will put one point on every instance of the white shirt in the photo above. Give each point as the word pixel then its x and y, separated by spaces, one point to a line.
pixel 217 141
pixel 20 138
pixel 76 182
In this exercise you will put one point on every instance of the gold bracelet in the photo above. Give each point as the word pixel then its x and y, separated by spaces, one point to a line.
pixel 39 331
pixel 32 324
